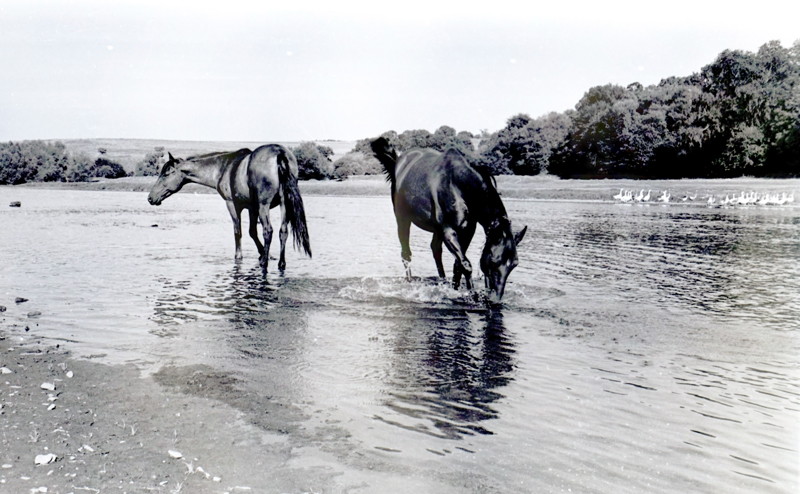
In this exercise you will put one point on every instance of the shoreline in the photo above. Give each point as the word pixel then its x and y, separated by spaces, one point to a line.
pixel 525 188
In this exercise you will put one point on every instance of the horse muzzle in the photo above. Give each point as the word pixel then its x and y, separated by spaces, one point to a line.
pixel 495 286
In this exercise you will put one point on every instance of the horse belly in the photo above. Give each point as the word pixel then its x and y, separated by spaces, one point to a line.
pixel 241 187
pixel 417 209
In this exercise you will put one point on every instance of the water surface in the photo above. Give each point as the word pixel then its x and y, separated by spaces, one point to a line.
pixel 638 347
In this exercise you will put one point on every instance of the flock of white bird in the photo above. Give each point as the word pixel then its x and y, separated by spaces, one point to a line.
pixel 742 199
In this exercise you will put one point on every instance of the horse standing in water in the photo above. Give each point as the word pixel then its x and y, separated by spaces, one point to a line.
pixel 443 194
pixel 254 180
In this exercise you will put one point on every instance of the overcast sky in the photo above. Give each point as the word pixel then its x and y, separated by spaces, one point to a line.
pixel 231 70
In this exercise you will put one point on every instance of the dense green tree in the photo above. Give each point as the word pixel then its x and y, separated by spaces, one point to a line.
pixel 524 145
pixel 356 163
pixel 313 161
pixel 105 168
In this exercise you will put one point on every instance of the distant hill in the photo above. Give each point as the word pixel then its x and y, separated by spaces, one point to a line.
pixel 128 152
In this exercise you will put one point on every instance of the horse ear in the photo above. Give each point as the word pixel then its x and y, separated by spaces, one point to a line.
pixel 520 234
pixel 170 156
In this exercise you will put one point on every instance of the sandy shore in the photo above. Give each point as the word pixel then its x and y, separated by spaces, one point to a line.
pixel 74 425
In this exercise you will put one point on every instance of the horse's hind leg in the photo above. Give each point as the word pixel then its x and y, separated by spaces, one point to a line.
pixel 403 233
pixel 283 234
pixel 436 248
pixel 254 230
pixel 263 216
pixel 236 212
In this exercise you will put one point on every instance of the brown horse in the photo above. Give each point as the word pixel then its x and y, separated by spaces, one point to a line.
pixel 254 180
pixel 443 194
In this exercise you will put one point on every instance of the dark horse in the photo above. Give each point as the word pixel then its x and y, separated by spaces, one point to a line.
pixel 254 180
pixel 443 194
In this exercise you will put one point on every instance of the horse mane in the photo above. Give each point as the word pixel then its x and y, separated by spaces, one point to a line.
pixel 493 195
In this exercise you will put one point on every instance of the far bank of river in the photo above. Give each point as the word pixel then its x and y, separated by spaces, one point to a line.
pixel 542 187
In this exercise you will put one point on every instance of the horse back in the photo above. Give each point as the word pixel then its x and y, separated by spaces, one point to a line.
pixel 434 188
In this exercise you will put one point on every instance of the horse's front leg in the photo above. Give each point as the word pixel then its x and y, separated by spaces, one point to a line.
pixel 283 234
pixel 263 216
pixel 403 233
pixel 237 227
pixel 436 248
pixel 254 230
pixel 462 264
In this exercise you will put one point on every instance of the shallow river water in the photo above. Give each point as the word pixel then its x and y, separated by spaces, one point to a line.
pixel 639 348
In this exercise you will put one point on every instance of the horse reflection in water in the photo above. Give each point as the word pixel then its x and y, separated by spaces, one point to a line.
pixel 229 296
pixel 443 194
pixel 254 180
pixel 452 381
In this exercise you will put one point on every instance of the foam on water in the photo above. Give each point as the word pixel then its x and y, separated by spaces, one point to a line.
pixel 433 291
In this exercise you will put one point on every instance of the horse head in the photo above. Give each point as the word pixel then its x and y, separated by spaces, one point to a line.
pixel 170 181
pixel 499 256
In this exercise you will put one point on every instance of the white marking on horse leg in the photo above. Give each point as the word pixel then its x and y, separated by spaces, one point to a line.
pixel 407 266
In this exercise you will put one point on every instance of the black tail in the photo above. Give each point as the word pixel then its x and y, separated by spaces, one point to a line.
pixel 294 204
pixel 388 158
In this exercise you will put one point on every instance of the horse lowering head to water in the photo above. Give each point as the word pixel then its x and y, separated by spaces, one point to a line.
pixel 254 180
pixel 443 194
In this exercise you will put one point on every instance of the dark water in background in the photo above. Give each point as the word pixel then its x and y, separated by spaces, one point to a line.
pixel 639 347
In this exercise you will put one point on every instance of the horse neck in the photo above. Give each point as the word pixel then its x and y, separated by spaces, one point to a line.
pixel 203 172
pixel 491 209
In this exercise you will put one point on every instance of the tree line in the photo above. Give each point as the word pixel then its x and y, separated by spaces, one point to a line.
pixel 740 115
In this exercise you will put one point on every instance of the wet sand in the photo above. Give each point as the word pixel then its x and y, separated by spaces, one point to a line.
pixel 109 428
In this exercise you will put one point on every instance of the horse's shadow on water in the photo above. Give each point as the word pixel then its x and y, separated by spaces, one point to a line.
pixel 449 360
pixel 452 365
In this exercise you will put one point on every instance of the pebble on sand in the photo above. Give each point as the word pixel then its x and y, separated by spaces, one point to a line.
pixel 175 454
pixel 45 459
pixel 49 386
pixel 3 308
pixel 70 374
pixel 20 300
pixel 15 204
pixel 5 370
